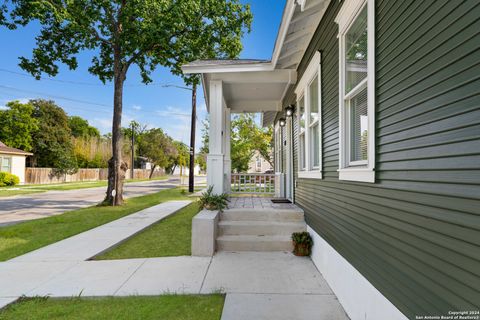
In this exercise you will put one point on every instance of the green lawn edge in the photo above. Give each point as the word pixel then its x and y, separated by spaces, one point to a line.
pixel 39 188
pixel 165 307
pixel 169 237
pixel 24 237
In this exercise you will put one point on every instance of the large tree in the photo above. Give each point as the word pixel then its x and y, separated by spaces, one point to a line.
pixel 122 33
pixel 246 138
pixel 17 125
pixel 52 143
pixel 157 147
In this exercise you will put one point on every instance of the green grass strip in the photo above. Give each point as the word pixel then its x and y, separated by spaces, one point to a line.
pixel 27 236
pixel 169 237
pixel 37 188
pixel 165 307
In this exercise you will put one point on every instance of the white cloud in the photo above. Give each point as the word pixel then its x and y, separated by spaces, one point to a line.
pixel 136 107
pixel 3 107
pixel 23 100
pixel 102 124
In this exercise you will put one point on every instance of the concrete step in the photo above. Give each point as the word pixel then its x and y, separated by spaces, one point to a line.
pixel 254 243
pixel 260 228
pixel 278 215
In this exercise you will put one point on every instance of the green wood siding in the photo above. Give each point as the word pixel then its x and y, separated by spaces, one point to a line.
pixel 415 233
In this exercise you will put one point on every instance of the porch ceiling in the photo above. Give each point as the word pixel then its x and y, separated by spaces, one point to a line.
pixel 254 91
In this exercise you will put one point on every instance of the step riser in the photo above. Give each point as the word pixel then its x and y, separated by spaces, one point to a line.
pixel 260 230
pixel 254 246
pixel 262 216
pixel 243 229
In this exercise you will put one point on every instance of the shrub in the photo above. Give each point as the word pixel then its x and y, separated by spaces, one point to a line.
pixel 8 179
pixel 212 201
pixel 303 243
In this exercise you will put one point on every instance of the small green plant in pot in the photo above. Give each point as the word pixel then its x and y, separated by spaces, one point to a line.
pixel 302 242
pixel 212 201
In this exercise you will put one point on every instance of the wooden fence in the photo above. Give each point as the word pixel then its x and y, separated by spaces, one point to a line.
pixel 46 176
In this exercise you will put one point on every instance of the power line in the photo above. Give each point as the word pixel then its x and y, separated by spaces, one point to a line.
pixel 54 96
pixel 89 103
pixel 164 85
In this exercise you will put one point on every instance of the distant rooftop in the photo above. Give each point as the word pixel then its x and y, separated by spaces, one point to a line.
pixel 5 149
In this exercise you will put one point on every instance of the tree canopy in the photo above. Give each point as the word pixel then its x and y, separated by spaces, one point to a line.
pixel 246 137
pixel 52 145
pixel 81 128
pixel 18 125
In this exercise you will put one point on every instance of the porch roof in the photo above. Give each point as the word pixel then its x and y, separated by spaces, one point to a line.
pixel 253 85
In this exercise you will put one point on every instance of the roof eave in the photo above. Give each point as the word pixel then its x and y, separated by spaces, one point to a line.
pixel 19 153
pixel 222 68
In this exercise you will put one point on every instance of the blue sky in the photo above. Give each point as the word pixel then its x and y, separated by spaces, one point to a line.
pixel 167 108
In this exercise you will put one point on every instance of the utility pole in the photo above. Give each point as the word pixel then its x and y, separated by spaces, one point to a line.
pixel 191 177
pixel 191 174
pixel 133 150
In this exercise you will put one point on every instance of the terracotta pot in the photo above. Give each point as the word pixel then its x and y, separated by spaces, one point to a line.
pixel 209 207
pixel 301 249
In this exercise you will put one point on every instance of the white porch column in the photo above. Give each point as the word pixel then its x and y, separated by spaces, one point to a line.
pixel 227 162
pixel 215 165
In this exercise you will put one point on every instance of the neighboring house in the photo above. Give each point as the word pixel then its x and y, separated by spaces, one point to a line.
pixel 184 171
pixel 258 164
pixel 13 161
pixel 383 149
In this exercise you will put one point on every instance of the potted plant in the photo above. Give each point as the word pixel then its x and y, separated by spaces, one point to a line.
pixel 212 201
pixel 302 243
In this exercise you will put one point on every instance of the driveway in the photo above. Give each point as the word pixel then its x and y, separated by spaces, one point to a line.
pixel 33 206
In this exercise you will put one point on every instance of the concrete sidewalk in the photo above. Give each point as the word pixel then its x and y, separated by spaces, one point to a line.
pixel 259 285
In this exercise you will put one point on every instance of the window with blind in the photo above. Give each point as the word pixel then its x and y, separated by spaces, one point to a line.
pixel 356 90
pixel 6 164
pixel 309 121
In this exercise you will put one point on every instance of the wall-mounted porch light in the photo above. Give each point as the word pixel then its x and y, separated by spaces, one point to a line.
pixel 282 122
pixel 289 110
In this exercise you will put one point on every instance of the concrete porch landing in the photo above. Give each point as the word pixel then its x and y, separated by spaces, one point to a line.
pixel 252 202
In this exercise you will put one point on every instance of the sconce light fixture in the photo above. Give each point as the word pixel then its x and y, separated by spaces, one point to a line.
pixel 289 110
pixel 282 122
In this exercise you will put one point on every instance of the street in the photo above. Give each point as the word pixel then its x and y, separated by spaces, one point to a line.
pixel 33 206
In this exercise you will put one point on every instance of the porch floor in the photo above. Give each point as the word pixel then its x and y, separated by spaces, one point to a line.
pixel 257 202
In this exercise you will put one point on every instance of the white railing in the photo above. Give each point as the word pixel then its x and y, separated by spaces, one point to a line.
pixel 253 183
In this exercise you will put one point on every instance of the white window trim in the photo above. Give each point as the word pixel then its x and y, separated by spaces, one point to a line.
pixel 359 170
pixel 278 150
pixel 10 162
pixel 313 70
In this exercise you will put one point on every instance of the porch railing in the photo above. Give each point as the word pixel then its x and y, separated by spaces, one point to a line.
pixel 253 183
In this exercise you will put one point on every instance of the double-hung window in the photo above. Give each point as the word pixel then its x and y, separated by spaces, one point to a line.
pixel 309 121
pixel 6 164
pixel 356 91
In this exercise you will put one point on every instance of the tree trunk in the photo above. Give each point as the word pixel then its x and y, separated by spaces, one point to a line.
pixel 151 171
pixel 117 168
pixel 191 177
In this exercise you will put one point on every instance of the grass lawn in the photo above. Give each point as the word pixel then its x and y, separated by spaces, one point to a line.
pixel 167 307
pixel 37 188
pixel 24 237
pixel 169 237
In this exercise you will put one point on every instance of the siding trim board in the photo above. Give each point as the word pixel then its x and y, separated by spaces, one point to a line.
pixel 414 234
